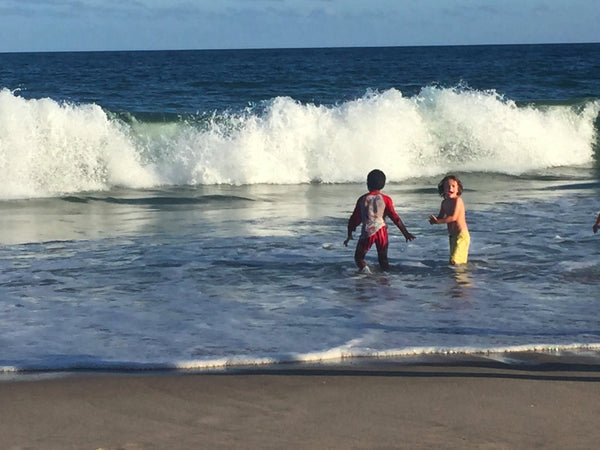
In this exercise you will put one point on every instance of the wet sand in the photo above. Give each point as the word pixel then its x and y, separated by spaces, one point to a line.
pixel 474 403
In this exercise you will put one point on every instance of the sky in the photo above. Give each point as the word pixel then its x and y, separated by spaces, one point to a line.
pixel 91 25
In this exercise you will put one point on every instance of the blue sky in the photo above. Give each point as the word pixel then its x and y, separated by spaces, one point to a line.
pixel 73 25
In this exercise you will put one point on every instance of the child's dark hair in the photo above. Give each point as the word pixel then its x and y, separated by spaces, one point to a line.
pixel 375 180
pixel 447 178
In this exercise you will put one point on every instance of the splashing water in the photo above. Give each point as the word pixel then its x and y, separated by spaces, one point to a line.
pixel 49 148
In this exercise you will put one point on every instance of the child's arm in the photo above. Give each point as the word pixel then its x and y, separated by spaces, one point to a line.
pixel 395 217
pixel 596 224
pixel 348 239
pixel 456 208
pixel 408 236
pixel 434 219
pixel 353 222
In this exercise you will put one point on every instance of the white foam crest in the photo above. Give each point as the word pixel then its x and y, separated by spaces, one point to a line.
pixel 479 131
pixel 48 148
pixel 293 143
pixel 434 132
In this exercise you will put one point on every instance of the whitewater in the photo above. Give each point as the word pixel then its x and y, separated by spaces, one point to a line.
pixel 51 148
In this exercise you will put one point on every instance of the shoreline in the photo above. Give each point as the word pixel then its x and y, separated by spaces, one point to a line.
pixel 458 403
pixel 578 359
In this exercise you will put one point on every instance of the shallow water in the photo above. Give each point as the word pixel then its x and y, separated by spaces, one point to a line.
pixel 230 275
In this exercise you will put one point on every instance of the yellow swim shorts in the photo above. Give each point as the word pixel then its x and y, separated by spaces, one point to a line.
pixel 459 247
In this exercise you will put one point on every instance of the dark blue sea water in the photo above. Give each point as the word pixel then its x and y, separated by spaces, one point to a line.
pixel 191 82
pixel 186 209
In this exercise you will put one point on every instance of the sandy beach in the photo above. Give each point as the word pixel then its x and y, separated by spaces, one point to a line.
pixel 475 403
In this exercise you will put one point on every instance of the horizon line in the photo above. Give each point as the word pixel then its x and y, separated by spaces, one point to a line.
pixel 296 48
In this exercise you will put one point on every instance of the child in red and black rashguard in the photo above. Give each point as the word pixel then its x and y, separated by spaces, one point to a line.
pixel 371 210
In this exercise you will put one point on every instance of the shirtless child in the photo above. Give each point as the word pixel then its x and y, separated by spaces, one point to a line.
pixel 452 213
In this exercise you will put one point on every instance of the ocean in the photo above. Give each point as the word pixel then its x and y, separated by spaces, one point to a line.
pixel 186 210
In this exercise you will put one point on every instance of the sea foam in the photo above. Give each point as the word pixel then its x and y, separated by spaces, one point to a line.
pixel 49 148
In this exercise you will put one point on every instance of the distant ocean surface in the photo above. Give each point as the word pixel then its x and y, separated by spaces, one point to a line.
pixel 186 209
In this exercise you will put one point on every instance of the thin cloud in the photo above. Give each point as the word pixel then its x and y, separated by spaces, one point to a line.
pixel 33 9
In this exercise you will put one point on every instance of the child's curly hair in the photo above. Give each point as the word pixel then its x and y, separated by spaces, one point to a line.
pixel 447 178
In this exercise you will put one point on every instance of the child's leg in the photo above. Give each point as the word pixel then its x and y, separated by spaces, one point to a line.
pixel 359 254
pixel 383 259
pixel 382 248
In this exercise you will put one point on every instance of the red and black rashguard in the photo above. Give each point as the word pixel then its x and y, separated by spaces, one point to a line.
pixel 371 210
